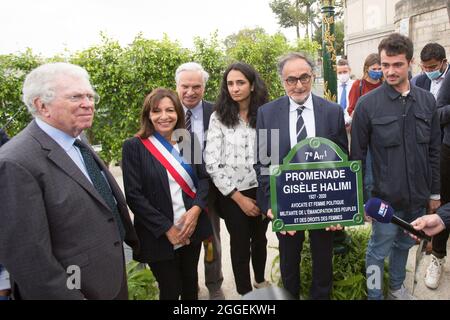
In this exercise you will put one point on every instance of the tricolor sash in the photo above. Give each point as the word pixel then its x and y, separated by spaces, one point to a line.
pixel 174 163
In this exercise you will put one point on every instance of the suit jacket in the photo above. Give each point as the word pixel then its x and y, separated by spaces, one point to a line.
pixel 443 107
pixel 422 80
pixel 54 218
pixel 208 109
pixel 147 192
pixel 4 137
pixel 329 121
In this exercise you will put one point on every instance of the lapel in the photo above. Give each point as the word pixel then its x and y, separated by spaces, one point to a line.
pixel 207 111
pixel 283 125
pixel 163 175
pixel 60 158
pixel 319 116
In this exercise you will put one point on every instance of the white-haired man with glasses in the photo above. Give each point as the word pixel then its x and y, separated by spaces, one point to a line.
pixel 191 79
pixel 66 216
pixel 298 115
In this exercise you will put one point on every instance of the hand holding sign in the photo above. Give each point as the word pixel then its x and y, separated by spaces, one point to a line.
pixel 270 216
pixel 316 187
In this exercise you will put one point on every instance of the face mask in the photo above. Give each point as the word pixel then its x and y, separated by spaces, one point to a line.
pixel 434 75
pixel 344 77
pixel 375 75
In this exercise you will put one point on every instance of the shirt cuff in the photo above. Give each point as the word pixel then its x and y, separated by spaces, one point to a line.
pixel 436 197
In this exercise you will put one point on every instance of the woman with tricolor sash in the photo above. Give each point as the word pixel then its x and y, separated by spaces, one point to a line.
pixel 168 196
pixel 229 158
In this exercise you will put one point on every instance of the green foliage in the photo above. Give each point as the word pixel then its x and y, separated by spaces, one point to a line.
pixel 13 69
pixel 339 33
pixel 141 282
pixel 211 55
pixel 349 280
pixel 262 54
pixel 124 75
pixel 296 13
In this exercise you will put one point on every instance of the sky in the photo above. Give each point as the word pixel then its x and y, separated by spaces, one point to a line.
pixel 50 27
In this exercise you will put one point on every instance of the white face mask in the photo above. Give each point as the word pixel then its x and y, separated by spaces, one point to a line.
pixel 344 77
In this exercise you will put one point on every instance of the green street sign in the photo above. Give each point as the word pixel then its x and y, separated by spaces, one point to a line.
pixel 316 187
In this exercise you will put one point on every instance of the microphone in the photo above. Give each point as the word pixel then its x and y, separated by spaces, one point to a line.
pixel 384 213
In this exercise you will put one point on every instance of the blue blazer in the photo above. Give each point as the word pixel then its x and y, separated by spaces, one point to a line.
pixel 147 192
pixel 329 118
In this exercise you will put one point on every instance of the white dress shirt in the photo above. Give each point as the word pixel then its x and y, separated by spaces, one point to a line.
pixel 197 122
pixel 4 279
pixel 437 84
pixel 176 194
pixel 308 118
pixel 349 84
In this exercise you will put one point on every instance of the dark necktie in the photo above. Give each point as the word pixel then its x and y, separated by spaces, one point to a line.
pixel 343 101
pixel 188 120
pixel 301 129
pixel 100 183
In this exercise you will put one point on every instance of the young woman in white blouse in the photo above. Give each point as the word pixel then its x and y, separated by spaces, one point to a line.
pixel 229 157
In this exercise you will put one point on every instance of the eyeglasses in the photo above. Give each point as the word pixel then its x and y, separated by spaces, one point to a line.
pixel 304 79
pixel 80 97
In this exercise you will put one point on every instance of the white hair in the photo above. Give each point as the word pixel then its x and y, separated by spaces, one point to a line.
pixel 42 81
pixel 191 66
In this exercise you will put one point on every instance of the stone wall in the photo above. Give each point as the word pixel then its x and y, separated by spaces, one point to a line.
pixel 428 22
pixel 423 20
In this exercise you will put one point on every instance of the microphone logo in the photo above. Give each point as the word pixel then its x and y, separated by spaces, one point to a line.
pixel 383 209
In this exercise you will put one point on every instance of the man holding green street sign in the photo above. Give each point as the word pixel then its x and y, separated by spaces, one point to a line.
pixel 281 125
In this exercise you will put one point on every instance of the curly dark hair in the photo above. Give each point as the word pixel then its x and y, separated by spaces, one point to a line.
pixel 396 44
pixel 227 109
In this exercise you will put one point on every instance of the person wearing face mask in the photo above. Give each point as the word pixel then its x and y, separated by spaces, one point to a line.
pixel 372 79
pixel 344 85
pixel 434 66
pixel 436 79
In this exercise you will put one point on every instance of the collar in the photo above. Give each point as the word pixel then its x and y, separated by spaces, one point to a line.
pixel 394 94
pixel 442 77
pixel 63 139
pixel 293 106
pixel 197 111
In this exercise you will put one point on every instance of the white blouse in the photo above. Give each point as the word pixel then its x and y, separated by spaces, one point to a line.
pixel 229 155
pixel 177 201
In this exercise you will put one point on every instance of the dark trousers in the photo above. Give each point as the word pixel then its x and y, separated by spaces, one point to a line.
pixel 247 240
pixel 178 277
pixel 322 262
pixel 440 240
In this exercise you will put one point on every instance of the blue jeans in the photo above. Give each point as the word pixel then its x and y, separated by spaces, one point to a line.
pixel 388 240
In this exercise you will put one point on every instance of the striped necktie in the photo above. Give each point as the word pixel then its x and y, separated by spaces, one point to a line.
pixel 100 183
pixel 188 120
pixel 301 129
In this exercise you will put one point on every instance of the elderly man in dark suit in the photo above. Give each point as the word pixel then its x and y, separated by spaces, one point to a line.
pixel 67 217
pixel 191 80
pixel 298 115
